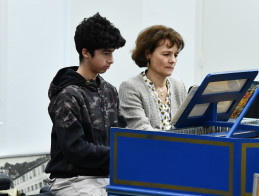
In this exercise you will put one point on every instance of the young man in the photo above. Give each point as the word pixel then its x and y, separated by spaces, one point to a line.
pixel 83 107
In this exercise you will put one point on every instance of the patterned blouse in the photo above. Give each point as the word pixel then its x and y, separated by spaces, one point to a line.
pixel 164 109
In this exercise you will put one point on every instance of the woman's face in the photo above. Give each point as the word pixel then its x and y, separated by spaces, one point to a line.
pixel 163 59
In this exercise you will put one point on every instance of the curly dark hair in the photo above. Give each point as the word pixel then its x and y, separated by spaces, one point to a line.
pixel 97 32
pixel 149 39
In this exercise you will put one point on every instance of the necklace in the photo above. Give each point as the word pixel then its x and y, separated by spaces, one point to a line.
pixel 161 92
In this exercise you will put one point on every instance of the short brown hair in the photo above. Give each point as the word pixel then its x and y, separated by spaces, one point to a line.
pixel 149 39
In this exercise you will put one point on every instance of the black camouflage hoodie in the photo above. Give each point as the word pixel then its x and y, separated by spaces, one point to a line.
pixel 82 113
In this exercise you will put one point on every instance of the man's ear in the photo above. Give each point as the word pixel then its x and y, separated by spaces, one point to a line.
pixel 86 53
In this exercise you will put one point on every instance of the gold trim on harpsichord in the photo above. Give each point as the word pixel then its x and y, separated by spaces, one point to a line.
pixel 168 186
pixel 243 166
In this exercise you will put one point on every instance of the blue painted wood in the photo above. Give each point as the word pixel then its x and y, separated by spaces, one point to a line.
pixel 122 191
pixel 237 124
pixel 198 98
pixel 146 163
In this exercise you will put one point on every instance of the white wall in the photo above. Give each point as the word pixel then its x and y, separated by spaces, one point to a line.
pixel 230 38
pixel 133 16
pixel 3 54
pixel 33 51
pixel 36 39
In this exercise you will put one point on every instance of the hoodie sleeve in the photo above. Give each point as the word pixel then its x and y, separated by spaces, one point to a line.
pixel 71 137
pixel 121 120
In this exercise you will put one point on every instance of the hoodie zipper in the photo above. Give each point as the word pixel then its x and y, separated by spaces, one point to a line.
pixel 102 113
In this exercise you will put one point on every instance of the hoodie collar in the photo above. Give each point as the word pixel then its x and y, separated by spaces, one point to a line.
pixel 68 76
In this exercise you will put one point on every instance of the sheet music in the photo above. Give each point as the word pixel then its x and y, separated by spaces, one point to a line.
pixel 184 104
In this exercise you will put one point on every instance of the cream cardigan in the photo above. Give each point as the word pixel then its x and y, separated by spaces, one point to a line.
pixel 139 107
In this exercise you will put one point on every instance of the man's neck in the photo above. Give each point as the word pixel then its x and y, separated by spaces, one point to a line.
pixel 84 71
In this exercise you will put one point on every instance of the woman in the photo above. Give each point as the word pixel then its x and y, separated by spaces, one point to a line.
pixel 150 100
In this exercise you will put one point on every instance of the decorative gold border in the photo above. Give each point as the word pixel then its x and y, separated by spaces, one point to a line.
pixel 174 187
pixel 243 166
